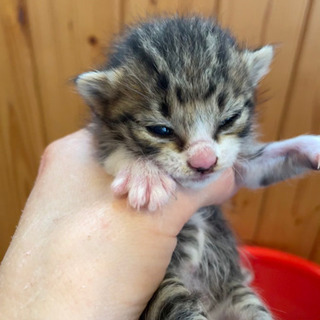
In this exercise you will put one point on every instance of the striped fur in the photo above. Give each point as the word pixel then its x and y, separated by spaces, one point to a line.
pixel 204 279
pixel 176 90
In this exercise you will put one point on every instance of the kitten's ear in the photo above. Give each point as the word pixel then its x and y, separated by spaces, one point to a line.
pixel 259 62
pixel 97 88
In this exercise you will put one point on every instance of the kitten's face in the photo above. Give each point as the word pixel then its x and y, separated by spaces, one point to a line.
pixel 189 110
pixel 201 138
pixel 193 139
pixel 179 133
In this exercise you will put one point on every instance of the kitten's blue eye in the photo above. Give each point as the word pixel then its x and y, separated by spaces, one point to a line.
pixel 229 121
pixel 161 131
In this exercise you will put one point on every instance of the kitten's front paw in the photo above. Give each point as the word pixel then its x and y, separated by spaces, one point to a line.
pixel 309 146
pixel 146 185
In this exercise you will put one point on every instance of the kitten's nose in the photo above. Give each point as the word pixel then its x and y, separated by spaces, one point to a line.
pixel 203 160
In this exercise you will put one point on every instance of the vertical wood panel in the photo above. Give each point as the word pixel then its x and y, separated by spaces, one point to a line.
pixel 234 15
pixel 291 214
pixel 266 25
pixel 315 252
pixel 21 134
pixel 271 22
pixel 69 41
pixel 134 10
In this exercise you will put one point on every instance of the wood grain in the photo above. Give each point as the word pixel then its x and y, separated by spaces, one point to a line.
pixel 69 41
pixel 21 128
pixel 315 251
pixel 290 216
pixel 266 26
pixel 135 10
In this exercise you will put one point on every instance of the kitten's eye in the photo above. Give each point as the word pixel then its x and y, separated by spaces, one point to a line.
pixel 229 121
pixel 160 131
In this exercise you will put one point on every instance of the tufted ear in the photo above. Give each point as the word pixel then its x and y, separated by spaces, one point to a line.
pixel 97 88
pixel 258 62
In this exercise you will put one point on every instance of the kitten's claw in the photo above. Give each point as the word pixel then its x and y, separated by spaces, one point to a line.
pixel 314 152
pixel 119 185
pixel 309 146
pixel 146 184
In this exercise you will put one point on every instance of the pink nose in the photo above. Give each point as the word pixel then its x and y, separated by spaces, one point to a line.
pixel 203 159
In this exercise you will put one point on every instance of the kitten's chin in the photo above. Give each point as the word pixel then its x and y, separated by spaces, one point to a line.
pixel 199 182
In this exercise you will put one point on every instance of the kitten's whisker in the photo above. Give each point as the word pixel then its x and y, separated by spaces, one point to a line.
pixel 245 160
pixel 238 172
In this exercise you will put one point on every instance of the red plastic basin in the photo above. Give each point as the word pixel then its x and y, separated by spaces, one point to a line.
pixel 289 285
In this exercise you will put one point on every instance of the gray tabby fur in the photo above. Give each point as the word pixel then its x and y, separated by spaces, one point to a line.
pixel 188 78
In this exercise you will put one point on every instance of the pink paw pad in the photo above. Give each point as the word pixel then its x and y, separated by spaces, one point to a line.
pixel 160 192
pixel 146 185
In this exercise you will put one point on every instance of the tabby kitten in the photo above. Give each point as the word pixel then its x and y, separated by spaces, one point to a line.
pixel 175 105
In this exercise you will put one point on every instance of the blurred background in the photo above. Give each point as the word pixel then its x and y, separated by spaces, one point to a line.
pixel 44 43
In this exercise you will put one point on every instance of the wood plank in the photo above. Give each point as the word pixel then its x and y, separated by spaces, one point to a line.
pixel 68 37
pixel 290 218
pixel 315 252
pixel 136 10
pixel 21 132
pixel 235 15
pixel 256 23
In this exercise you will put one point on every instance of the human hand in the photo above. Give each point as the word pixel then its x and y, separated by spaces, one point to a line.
pixel 78 253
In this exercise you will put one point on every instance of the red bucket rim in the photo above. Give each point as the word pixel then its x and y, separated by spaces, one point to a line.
pixel 282 257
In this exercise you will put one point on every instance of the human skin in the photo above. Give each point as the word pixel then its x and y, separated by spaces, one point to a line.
pixel 79 253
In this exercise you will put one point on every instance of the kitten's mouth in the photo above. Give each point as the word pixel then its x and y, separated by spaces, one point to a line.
pixel 201 178
pixel 197 179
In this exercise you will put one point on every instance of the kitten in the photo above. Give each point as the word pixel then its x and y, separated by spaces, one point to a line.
pixel 175 105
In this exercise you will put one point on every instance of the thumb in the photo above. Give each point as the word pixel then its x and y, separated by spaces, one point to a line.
pixel 186 202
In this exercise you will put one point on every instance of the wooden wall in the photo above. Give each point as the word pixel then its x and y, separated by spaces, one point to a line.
pixel 44 43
